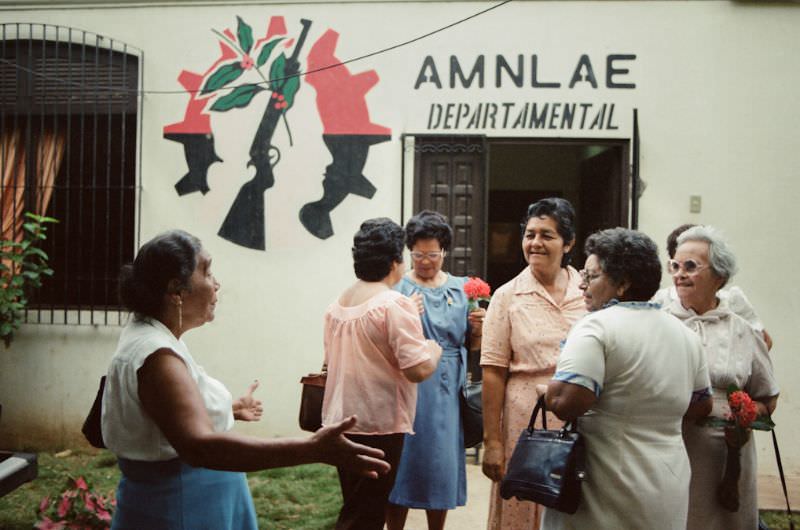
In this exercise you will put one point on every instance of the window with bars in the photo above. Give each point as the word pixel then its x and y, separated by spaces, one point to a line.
pixel 68 150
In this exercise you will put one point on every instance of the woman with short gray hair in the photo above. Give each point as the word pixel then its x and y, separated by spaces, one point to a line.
pixel 737 355
pixel 720 257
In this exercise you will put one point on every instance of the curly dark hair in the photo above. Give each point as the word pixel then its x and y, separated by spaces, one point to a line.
pixel 428 224
pixel 627 255
pixel 672 238
pixel 376 246
pixel 559 210
pixel 168 256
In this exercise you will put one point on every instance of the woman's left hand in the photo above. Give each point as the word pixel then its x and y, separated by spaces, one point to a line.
pixel 475 319
pixel 248 408
pixel 735 437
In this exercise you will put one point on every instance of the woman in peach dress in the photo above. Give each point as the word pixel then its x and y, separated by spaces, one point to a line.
pixel 527 319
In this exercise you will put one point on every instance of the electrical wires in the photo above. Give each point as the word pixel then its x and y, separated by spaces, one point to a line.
pixel 97 88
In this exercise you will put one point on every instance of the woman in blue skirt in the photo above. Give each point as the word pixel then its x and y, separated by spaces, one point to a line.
pixel 432 470
pixel 169 422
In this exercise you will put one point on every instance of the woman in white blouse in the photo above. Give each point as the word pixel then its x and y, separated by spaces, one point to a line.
pixel 737 355
pixel 169 422
pixel 629 373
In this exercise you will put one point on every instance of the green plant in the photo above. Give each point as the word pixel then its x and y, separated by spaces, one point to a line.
pixel 22 266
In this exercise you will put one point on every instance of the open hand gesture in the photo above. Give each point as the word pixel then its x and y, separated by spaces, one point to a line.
pixel 333 448
pixel 248 408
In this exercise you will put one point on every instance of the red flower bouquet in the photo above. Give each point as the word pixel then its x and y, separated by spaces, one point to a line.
pixel 738 423
pixel 476 290
pixel 77 507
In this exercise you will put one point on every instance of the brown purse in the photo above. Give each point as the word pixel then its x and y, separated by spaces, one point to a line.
pixel 311 401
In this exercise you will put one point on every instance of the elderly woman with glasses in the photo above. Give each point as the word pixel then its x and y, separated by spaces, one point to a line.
pixel 629 374
pixel 527 319
pixel 432 471
pixel 737 355
pixel 736 299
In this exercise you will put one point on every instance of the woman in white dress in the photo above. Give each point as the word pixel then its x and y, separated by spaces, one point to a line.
pixel 629 373
pixel 737 355
pixel 735 298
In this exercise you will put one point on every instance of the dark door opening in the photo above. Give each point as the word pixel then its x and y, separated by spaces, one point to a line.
pixel 592 175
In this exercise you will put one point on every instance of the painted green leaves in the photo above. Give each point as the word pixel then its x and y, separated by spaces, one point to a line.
pixel 225 74
pixel 245 35
pixel 278 82
pixel 266 51
pixel 237 98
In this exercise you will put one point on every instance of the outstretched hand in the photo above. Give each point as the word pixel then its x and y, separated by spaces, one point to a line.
pixel 248 408
pixel 333 448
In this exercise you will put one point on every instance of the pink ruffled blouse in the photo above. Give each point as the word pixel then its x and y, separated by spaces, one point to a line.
pixel 366 348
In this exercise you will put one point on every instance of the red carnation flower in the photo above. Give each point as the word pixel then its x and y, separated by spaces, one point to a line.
pixel 476 290
pixel 743 408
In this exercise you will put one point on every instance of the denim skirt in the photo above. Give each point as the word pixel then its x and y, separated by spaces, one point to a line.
pixel 173 495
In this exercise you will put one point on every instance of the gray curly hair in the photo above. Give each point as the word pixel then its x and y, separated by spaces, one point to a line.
pixel 720 255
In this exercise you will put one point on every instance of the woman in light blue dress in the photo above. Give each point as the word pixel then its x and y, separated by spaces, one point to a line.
pixel 432 470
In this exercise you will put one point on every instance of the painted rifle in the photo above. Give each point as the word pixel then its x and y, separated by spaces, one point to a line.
pixel 244 224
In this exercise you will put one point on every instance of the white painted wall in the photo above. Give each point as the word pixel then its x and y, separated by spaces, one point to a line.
pixel 716 86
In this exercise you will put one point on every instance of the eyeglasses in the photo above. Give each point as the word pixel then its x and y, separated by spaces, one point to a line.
pixel 689 266
pixel 433 256
pixel 588 278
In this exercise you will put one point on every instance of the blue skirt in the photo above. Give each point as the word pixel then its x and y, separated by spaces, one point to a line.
pixel 432 471
pixel 172 495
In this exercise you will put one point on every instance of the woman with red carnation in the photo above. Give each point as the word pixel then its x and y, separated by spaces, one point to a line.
pixel 738 356
pixel 526 321
pixel 432 470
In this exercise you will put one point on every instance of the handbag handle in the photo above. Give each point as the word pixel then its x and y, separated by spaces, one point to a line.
pixel 783 479
pixel 570 426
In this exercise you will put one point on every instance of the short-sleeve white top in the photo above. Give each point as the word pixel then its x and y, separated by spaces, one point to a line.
pixel 646 365
pixel 128 431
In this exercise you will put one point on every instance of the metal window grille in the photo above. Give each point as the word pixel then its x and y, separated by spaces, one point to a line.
pixel 69 114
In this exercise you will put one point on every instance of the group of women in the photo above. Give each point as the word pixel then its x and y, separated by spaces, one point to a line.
pixel 636 374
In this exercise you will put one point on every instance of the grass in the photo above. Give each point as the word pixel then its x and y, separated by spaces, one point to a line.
pixel 298 498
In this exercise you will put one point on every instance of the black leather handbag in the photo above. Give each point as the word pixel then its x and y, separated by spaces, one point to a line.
pixel 547 467
pixel 91 426
pixel 310 418
pixel 472 413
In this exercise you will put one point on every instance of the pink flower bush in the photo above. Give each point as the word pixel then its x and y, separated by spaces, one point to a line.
pixel 77 507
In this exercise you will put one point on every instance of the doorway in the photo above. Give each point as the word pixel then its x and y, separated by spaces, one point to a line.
pixel 484 186
pixel 592 175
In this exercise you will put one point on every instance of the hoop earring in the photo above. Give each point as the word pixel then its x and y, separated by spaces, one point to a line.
pixel 180 314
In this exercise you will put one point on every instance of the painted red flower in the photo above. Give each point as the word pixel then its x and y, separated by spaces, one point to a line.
pixel 247 62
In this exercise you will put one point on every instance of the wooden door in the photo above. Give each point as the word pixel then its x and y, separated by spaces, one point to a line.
pixel 450 178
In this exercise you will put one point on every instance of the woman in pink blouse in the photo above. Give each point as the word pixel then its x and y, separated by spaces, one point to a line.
pixel 527 319
pixel 375 352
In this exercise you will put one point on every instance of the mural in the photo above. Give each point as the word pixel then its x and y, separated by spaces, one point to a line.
pixel 348 132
